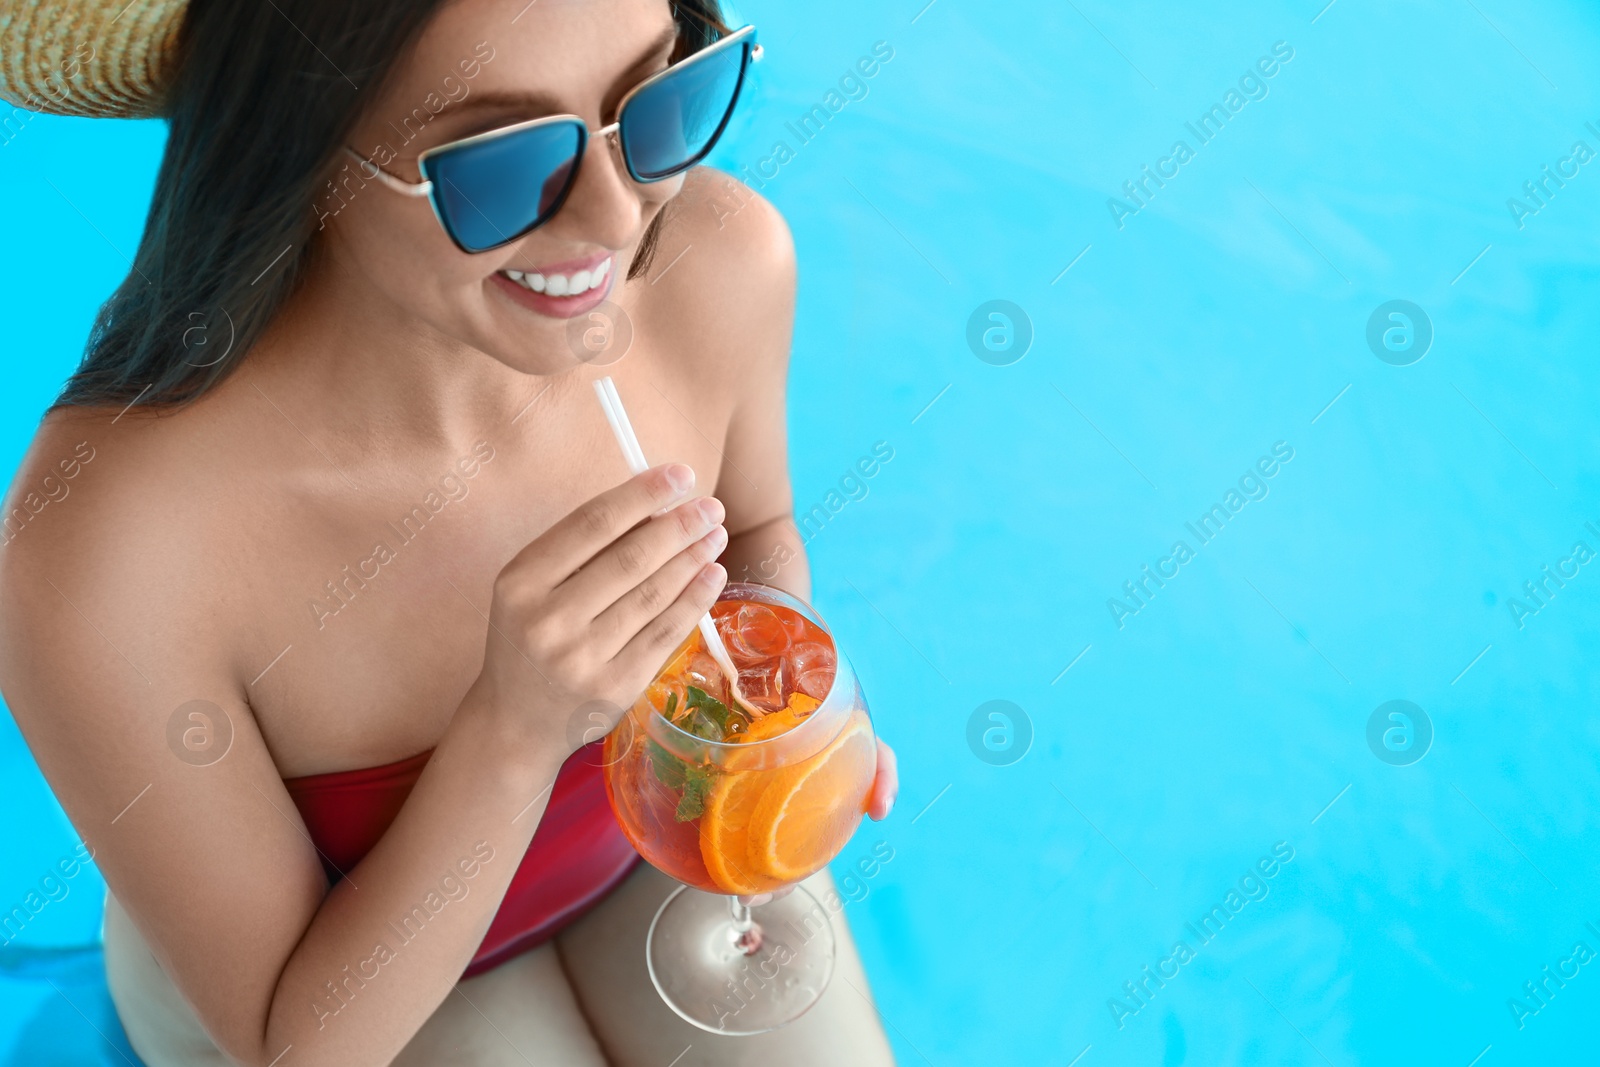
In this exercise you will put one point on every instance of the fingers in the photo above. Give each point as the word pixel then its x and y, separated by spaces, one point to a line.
pixel 886 786
pixel 575 539
pixel 621 621
pixel 645 652
pixel 629 564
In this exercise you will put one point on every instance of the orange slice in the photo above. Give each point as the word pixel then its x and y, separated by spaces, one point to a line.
pixel 801 704
pixel 725 831
pixel 777 722
pixel 725 824
pixel 807 812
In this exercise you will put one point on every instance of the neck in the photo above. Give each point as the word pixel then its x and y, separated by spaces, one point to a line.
pixel 347 365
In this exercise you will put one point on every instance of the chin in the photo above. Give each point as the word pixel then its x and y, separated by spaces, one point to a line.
pixel 545 357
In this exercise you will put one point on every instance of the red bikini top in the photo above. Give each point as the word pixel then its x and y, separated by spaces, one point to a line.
pixel 576 856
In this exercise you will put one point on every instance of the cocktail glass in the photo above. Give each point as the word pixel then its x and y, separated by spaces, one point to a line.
pixel 735 807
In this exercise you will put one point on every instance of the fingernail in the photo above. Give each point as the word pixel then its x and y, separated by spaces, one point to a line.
pixel 681 477
pixel 710 509
pixel 717 539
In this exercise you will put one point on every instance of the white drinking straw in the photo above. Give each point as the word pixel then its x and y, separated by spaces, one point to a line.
pixel 617 416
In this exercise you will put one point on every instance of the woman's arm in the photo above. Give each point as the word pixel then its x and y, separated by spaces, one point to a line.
pixel 98 649
pixel 742 278
pixel 756 317
pixel 771 553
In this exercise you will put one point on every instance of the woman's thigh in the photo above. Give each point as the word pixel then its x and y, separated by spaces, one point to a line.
pixel 604 958
pixel 522 1012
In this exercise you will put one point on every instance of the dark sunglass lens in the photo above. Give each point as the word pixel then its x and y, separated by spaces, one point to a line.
pixel 672 124
pixel 493 191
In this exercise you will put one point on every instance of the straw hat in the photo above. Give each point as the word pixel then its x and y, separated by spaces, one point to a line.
pixel 101 58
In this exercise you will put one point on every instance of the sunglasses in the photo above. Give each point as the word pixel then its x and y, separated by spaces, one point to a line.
pixel 492 188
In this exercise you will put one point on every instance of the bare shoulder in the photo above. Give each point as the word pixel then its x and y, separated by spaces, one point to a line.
pixel 105 521
pixel 86 466
pixel 723 278
pixel 729 219
pixel 722 290
pixel 58 492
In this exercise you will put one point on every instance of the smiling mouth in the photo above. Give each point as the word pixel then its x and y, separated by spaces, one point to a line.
pixel 574 284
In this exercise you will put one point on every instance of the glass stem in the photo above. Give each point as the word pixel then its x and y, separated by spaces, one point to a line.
pixel 746 931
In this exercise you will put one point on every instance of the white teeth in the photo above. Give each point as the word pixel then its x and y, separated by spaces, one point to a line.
pixel 561 284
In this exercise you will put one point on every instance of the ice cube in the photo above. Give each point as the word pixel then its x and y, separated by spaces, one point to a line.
pixel 815 683
pixel 812 666
pixel 704 672
pixel 763 684
pixel 757 633
pixel 796 625
pixel 811 655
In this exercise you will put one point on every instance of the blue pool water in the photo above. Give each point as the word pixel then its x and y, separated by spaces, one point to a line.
pixel 1179 337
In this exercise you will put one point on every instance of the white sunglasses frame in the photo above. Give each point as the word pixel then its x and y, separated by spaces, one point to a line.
pixel 611 132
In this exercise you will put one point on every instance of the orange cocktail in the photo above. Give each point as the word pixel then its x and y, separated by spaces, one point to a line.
pixel 737 802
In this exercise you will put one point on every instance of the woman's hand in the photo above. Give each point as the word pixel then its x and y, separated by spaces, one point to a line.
pixel 584 616
pixel 886 786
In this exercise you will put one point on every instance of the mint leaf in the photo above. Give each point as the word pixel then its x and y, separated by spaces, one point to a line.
pixel 705 717
pixel 670 770
pixel 695 787
pixel 708 716
pixel 675 774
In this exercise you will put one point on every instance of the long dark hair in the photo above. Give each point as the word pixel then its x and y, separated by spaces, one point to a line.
pixel 266 94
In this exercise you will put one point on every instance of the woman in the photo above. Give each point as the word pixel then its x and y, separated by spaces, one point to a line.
pixel 346 553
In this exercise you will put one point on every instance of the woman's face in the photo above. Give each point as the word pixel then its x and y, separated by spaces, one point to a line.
pixel 480 65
